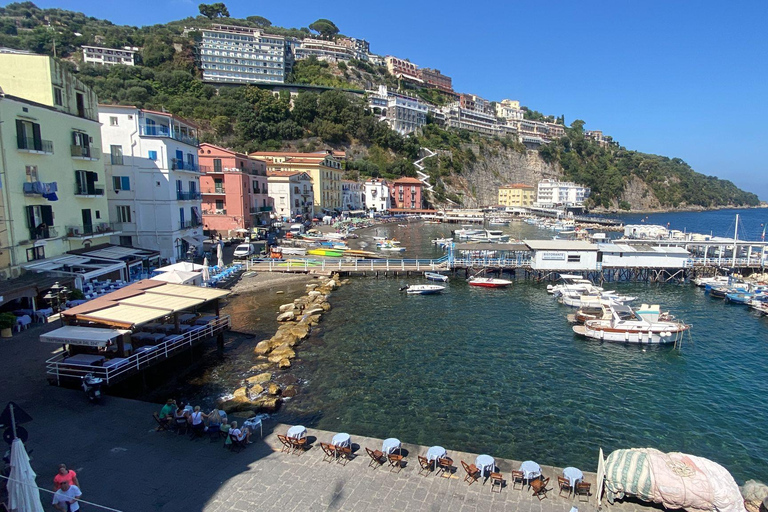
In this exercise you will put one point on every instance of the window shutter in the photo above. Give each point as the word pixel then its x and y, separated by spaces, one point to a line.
pixel 20 139
pixel 78 181
pixel 47 213
pixel 30 216
pixel 38 138
pixel 126 183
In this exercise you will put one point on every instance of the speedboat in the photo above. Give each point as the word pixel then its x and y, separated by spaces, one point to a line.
pixel 572 283
pixel 434 276
pixel 498 222
pixel 422 289
pixel 646 325
pixel 489 282
pixel 717 280
pixel 576 299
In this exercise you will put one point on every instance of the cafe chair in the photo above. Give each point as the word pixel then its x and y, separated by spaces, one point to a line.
pixel 518 477
pixel 236 444
pixel 162 425
pixel 287 446
pixel 377 458
pixel 344 455
pixel 395 462
pixel 539 487
pixel 472 472
pixel 564 484
pixel 444 465
pixel 181 425
pixel 582 489
pixel 329 451
pixel 496 480
pixel 299 445
pixel 425 466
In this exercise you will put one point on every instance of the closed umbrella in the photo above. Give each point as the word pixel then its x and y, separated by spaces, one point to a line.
pixel 22 489
pixel 206 272
pixel 220 256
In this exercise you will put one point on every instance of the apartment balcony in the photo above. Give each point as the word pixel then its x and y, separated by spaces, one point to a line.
pixel 255 210
pixel 81 191
pixel 94 230
pixel 32 145
pixel 43 232
pixel 158 130
pixel 189 224
pixel 215 212
pixel 214 191
pixel 178 165
pixel 188 196
pixel 85 152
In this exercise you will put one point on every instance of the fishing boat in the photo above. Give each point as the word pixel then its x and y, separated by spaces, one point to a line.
pixel 576 299
pixel 626 326
pixel 422 289
pixel 434 276
pixel 701 282
pixel 572 283
pixel 489 282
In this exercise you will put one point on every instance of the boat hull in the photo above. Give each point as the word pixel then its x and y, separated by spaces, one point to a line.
pixel 432 276
pixel 490 283
pixel 644 336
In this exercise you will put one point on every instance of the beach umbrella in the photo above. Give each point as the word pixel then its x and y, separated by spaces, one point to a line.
pixel 206 272
pixel 220 256
pixel 22 489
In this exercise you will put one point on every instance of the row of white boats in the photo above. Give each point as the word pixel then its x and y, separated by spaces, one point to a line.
pixel 433 289
pixel 606 316
pixel 736 291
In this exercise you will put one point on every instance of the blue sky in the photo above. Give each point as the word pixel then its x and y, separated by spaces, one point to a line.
pixel 683 79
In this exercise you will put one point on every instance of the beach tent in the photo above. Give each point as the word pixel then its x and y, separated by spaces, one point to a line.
pixel 180 277
pixel 676 480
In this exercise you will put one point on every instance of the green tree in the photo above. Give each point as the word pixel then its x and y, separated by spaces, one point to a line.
pixel 211 11
pixel 324 27
pixel 259 21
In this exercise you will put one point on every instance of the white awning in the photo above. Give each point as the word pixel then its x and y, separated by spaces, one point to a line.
pixel 191 241
pixel 84 336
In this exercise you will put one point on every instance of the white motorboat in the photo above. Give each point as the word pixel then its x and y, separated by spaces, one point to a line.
pixel 422 289
pixel 572 283
pixel 576 299
pixel 626 326
pixel 434 276
pixel 496 221
pixel 294 251
pixel 712 281
pixel 489 282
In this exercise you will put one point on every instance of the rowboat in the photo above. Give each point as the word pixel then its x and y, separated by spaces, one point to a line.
pixel 422 289
pixel 489 282
pixel 434 276
pixel 359 254
pixel 336 253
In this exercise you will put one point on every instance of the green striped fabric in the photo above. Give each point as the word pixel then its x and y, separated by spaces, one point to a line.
pixel 628 472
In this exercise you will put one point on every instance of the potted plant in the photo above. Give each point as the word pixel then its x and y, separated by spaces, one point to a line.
pixel 7 321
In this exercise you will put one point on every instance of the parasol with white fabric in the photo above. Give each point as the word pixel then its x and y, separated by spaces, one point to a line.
pixel 219 255
pixel 206 272
pixel 22 488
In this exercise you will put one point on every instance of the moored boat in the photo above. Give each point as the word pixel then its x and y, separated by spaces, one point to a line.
pixel 422 289
pixel 644 326
pixel 434 276
pixel 489 282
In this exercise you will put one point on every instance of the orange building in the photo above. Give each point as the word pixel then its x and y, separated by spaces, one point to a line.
pixel 406 194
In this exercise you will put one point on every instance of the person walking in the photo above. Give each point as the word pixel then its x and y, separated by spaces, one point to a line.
pixel 65 499
pixel 65 475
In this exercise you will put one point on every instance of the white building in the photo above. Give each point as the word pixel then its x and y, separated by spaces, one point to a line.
pixel 509 110
pixel 352 195
pixel 292 193
pixel 243 55
pixel 473 120
pixel 563 255
pixel 642 256
pixel 403 114
pixel 560 193
pixel 109 56
pixel 377 196
pixel 153 179
pixel 341 50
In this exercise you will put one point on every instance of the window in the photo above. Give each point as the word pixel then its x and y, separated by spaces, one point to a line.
pixel 219 204
pixel 85 183
pixel 39 221
pixel 31 171
pixel 28 136
pixel 58 99
pixel 121 183
pixel 124 213
pixel 217 165
pixel 126 241
pixel 112 121
pixel 153 156
pixel 116 153
pixel 574 258
pixel 36 253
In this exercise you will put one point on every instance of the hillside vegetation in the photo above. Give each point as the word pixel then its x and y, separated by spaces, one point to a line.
pixel 250 118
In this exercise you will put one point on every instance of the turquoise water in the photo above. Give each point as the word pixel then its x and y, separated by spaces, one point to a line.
pixel 500 372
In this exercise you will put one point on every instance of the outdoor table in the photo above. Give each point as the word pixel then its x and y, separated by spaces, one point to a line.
pixel 530 469
pixel 152 327
pixel 42 314
pixel 573 475
pixel 187 317
pixel 436 452
pixel 390 445
pixel 341 439
pixel 84 359
pixel 297 432
pixel 20 312
pixel 22 322
pixel 252 423
pixel 485 464
pixel 205 320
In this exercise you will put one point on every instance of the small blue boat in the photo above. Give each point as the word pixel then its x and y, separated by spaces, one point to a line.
pixel 434 276
pixel 739 298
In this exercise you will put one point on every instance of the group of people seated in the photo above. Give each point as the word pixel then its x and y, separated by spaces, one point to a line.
pixel 180 416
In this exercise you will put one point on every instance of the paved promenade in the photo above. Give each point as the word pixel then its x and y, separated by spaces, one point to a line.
pixel 124 464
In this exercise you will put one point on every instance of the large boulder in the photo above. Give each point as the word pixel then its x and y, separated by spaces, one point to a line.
pixel 284 363
pixel 311 286
pixel 301 331
pixel 286 317
pixel 262 348
pixel 314 310
pixel 313 294
pixel 259 367
pixel 287 307
pixel 268 403
pixel 326 306
pixel 259 379
pixel 240 392
pixel 290 391
pixel 273 389
pixel 254 391
pixel 282 352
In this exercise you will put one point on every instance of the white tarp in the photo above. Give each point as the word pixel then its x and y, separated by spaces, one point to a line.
pixel 186 266
pixel 84 336
pixel 22 489
pixel 180 277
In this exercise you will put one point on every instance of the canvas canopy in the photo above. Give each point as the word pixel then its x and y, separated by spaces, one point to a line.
pixel 179 277
pixel 676 480
pixel 84 336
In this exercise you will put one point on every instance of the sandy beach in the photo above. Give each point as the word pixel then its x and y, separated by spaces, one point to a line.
pixel 274 282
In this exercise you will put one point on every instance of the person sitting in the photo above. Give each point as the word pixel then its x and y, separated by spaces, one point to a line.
pixel 239 434
pixel 166 413
pixel 214 421
pixel 196 419
pixel 180 416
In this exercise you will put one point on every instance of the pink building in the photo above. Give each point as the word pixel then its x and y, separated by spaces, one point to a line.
pixel 406 194
pixel 234 189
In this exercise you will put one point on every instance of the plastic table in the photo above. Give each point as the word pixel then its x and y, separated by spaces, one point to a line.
pixel 573 475
pixel 436 452
pixel 485 464
pixel 390 445
pixel 530 469
pixel 341 439
pixel 297 432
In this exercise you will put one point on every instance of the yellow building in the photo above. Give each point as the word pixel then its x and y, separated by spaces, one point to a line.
pixel 517 194
pixel 324 168
pixel 51 167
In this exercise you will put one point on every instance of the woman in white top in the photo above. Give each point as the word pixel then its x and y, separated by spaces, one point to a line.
pixel 240 434
pixel 196 419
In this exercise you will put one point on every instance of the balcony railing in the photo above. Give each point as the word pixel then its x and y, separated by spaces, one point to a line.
pixel 116 159
pixel 88 152
pixel 187 196
pixel 32 144
pixel 214 190
pixel 158 130
pixel 188 224
pixel 85 191
pixel 215 212
pixel 42 232
pixel 265 209
pixel 179 165
pixel 97 229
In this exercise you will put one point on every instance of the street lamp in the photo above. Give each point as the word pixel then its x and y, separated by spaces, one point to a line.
pixel 56 296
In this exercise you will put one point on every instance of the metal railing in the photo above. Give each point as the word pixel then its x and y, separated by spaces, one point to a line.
pixel 187 196
pixel 85 191
pixel 350 264
pixel 32 144
pixel 214 190
pixel 41 233
pixel 59 369
pixel 159 130
pixel 215 212
pixel 491 262
pixel 85 152
pixel 180 165
pixel 98 228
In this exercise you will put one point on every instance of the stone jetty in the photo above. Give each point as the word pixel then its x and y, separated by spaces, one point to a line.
pixel 260 392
